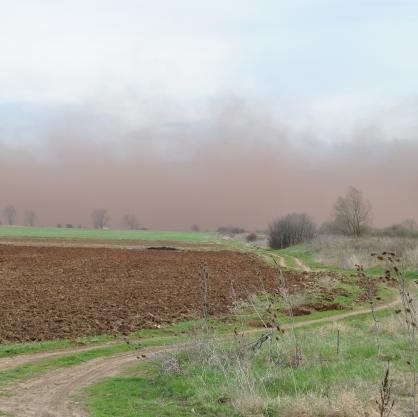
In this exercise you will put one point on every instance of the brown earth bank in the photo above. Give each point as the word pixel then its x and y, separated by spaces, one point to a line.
pixel 65 292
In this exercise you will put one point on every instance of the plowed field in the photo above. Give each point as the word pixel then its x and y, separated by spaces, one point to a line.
pixel 64 292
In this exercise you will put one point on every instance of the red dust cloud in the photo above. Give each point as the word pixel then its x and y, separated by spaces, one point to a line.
pixel 243 171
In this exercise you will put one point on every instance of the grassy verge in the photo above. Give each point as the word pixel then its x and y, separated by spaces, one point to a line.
pixel 217 378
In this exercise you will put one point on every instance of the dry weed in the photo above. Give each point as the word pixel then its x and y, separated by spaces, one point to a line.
pixel 344 404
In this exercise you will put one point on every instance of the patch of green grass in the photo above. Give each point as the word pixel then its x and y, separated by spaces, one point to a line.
pixel 149 394
pixel 411 275
pixel 74 233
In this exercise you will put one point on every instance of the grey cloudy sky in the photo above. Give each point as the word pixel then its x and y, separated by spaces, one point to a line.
pixel 322 63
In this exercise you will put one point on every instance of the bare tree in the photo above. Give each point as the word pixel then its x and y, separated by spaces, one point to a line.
pixel 195 228
pixel 29 217
pixel 352 213
pixel 290 230
pixel 99 218
pixel 131 221
pixel 9 214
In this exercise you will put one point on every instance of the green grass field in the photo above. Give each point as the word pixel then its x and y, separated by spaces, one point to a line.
pixel 66 233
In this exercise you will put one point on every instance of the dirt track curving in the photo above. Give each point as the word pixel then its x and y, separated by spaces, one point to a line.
pixel 49 394
pixel 300 265
pixel 23 359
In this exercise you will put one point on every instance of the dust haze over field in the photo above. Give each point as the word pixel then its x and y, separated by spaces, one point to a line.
pixel 237 165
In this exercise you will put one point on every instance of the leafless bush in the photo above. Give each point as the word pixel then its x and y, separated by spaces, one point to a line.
pixel 290 230
pixel 29 217
pixel 9 214
pixel 230 230
pixel 131 221
pixel 352 213
pixel 99 218
pixel 408 229
pixel 251 237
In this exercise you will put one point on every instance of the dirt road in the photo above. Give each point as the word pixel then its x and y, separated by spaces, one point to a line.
pixel 18 360
pixel 50 394
pixel 301 265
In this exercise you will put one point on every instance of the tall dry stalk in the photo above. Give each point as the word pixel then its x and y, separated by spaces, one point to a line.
pixel 385 402
pixel 393 273
pixel 284 292
pixel 366 280
pixel 204 288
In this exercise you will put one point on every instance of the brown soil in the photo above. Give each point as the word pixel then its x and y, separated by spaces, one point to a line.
pixel 305 309
pixel 64 292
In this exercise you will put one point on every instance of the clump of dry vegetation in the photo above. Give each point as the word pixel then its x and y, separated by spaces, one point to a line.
pixel 345 252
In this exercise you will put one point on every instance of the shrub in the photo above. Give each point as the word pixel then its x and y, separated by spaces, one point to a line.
pixel 230 230
pixel 408 228
pixel 251 237
pixel 291 230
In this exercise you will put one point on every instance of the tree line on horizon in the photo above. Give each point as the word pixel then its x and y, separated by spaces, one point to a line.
pixel 351 216
pixel 99 219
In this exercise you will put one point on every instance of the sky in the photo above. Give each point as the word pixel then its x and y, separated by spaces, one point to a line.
pixel 301 56
pixel 178 76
